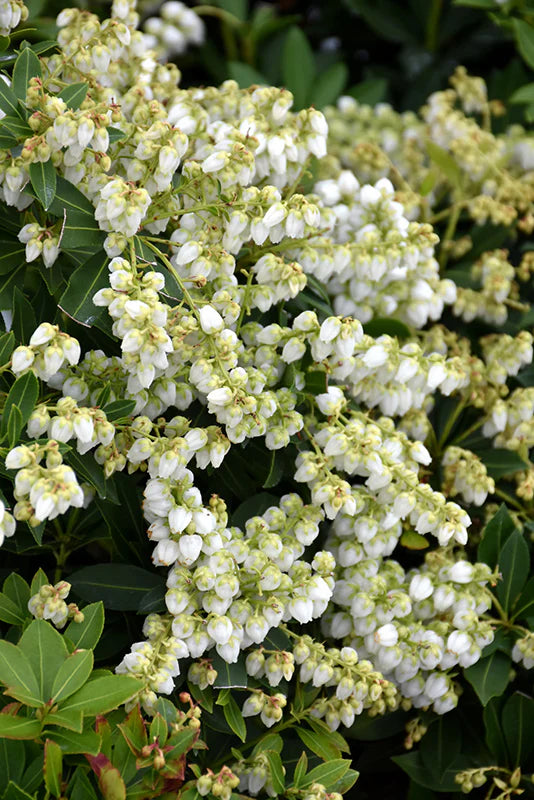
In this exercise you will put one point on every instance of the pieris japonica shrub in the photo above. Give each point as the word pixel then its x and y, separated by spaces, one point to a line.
pixel 241 417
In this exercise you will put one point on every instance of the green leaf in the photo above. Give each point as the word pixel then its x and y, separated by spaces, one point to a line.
pixel 300 769
pixel 15 126
pixel 77 299
pixel 514 562
pixel 524 606
pixel 245 75
pixel 489 676
pixel 319 743
pixel 72 675
pixel 518 727
pixel 22 395
pixel 298 65
pixel 14 792
pixel 43 179
pixel 389 326
pixel 525 94
pixel 82 788
pixel 24 320
pixel 524 34
pixel 277 771
pixel 414 541
pixel 234 718
pixel 329 85
pixel 153 601
pixel 26 66
pixel 12 280
pixel 445 162
pixel 69 198
pixel 71 742
pixel 10 612
pixel 495 738
pixel 74 95
pixel 115 134
pixel 103 694
pixel 121 587
pixel 18 591
pixel 119 409
pixel 7 342
pixel 346 782
pixel 229 676
pixel 315 382
pixel 17 674
pixel 38 581
pixel 80 233
pixel 72 720
pixel 86 467
pixel 239 8
pixel 495 534
pixel 46 651
pixel 53 767
pixel 85 635
pixel 18 727
pixel 8 101
pixel 412 764
pixel 12 761
pixel 14 426
pixel 328 773
pixel 500 462
pixel 276 470
pixel 369 92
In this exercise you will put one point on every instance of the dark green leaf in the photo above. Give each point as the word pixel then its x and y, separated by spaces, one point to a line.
pixel 43 179
pixel 276 470
pixel 495 534
pixel 369 92
pixel 239 8
pixel 514 562
pixel 81 234
pixel 316 382
pixel 524 606
pixel 489 676
pixel 38 580
pixel 518 727
pixel 154 600
pixel 231 676
pixel 69 198
pixel 234 718
pixel 525 40
pixel 525 94
pixel 253 507
pixel 23 395
pixel 391 327
pixel 77 299
pixel 26 66
pixel 15 126
pixel 115 134
pixel 121 587
pixel 12 280
pixel 329 85
pixel 500 462
pixel 86 466
pixel 119 409
pixel 12 761
pixel 8 100
pixel 245 75
pixel 14 426
pixel 7 344
pixel 413 765
pixel 495 738
pixel 74 95
pixel 24 320
pixel 298 65
pixel 14 792
pixel 82 788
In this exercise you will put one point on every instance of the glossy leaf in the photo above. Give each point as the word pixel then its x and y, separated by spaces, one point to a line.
pixel 525 40
pixel 85 635
pixel 43 178
pixel 121 587
pixel 109 778
pixel 300 770
pixel 500 462
pixel 77 299
pixel 298 65
pixel 53 767
pixel 8 101
pixel 232 676
pixel 495 738
pixel 74 95
pixel 9 612
pixel 103 694
pixel 72 675
pixel 71 742
pixel 23 394
pixel 17 674
pixel 18 727
pixel 12 761
pixel 15 792
pixel 514 562
pixel 119 409
pixel 489 676
pixel 524 605
pixel 26 66
pixel 277 770
pixel 518 727
pixel 495 534
pixel 72 720
pixel 46 651
pixel 234 718
pixel 328 773
pixel 442 744
pixel 319 743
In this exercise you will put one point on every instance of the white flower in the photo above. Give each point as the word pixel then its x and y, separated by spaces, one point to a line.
pixel 420 588
pixel 210 320
pixel 461 572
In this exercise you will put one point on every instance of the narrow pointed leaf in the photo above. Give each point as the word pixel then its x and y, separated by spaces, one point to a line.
pixel 17 674
pixel 18 727
pixel 85 635
pixel 53 767
pixel 514 562
pixel 74 95
pixel 72 675
pixel 26 66
pixel 43 178
pixel 46 651
pixel 103 694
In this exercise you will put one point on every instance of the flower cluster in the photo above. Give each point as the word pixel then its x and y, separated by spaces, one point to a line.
pixel 49 603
